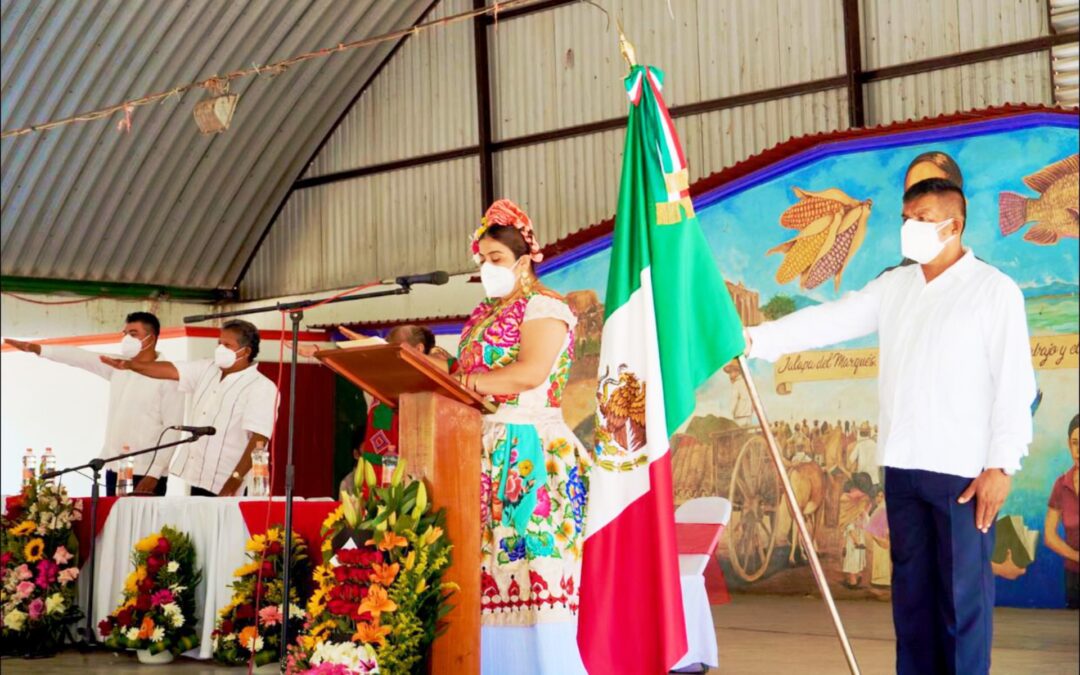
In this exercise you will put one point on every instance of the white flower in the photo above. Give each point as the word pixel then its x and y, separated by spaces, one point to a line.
pixel 295 612
pixel 229 638
pixel 173 566
pixel 357 658
pixel 132 634
pixel 255 644
pixel 177 589
pixel 173 612
pixel 54 604
pixel 15 620
pixel 158 635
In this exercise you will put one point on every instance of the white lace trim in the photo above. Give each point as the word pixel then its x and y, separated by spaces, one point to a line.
pixel 547 307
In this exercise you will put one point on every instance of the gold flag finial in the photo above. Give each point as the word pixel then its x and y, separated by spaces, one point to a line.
pixel 625 47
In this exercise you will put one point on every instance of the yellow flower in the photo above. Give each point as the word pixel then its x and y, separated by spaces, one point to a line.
pixel 250 568
pixel 323 576
pixel 410 561
pixel 131 584
pixel 34 550
pixel 335 516
pixel 422 586
pixel 377 601
pixel 274 534
pixel 316 605
pixel 433 535
pixel 525 467
pixel 257 543
pixel 321 631
pixel 130 603
pixel 368 633
pixel 147 544
pixel 23 528
pixel 389 541
pixel 327 546
pixel 564 533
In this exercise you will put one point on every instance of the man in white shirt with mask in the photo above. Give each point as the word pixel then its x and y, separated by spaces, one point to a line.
pixel 231 395
pixel 140 408
pixel 955 387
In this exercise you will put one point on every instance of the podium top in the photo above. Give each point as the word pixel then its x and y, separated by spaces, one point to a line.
pixel 388 371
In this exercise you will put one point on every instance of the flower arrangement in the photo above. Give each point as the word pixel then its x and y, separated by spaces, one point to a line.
pixel 378 606
pixel 158 611
pixel 38 556
pixel 249 627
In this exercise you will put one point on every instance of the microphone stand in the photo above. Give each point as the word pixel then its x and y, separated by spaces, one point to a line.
pixel 296 314
pixel 95 465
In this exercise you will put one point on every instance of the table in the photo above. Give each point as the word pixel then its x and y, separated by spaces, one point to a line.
pixel 701 588
pixel 218 527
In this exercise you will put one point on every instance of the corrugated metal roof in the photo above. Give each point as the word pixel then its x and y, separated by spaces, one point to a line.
pixel 164 204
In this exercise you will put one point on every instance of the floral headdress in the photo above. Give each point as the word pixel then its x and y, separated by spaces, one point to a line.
pixel 507 213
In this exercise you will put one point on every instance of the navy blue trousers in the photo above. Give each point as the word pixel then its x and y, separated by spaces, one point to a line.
pixel 942 584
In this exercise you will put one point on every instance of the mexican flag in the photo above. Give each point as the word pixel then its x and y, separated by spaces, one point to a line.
pixel 670 324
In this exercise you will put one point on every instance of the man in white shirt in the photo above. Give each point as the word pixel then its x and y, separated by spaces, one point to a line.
pixel 863 456
pixel 228 393
pixel 140 409
pixel 955 387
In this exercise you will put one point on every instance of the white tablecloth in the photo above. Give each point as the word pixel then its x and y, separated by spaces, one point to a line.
pixel 700 630
pixel 217 529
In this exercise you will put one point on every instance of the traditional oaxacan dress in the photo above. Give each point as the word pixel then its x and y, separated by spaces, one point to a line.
pixel 533 497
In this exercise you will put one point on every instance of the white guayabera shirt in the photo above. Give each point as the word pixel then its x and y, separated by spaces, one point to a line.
pixel 140 409
pixel 237 406
pixel 955 379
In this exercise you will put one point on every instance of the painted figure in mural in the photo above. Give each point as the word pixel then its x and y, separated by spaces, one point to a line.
pixel 1055 212
pixel 741 410
pixel 955 388
pixel 855 548
pixel 1064 509
pixel 517 348
pixel 933 164
pixel 878 529
pixel 863 456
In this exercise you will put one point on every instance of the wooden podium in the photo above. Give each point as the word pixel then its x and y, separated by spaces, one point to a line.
pixel 439 439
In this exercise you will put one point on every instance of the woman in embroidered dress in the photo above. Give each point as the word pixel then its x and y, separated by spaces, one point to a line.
pixel 516 348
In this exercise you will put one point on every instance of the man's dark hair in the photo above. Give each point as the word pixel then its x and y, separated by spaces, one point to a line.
pixel 420 336
pixel 936 186
pixel 1074 425
pixel 147 319
pixel 247 335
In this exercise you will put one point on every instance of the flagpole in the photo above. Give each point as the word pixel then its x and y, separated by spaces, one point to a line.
pixel 796 513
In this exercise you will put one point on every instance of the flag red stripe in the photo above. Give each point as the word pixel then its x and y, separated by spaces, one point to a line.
pixel 631 618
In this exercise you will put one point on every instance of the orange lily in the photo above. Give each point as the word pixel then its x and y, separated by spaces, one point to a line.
pixel 147 628
pixel 389 541
pixel 377 602
pixel 367 633
pixel 384 574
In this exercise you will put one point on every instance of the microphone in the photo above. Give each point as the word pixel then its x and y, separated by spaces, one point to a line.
pixel 433 278
pixel 198 431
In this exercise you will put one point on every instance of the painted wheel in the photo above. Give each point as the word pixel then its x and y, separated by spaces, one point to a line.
pixel 755 500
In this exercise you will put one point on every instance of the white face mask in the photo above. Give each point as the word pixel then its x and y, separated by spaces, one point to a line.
pixel 224 357
pixel 130 346
pixel 919 240
pixel 498 281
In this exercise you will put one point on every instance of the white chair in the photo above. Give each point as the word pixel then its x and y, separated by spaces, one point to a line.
pixel 701 510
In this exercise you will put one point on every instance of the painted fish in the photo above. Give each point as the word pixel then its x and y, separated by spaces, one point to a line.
pixel 1055 212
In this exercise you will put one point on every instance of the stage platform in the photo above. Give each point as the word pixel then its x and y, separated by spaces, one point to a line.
pixel 757 635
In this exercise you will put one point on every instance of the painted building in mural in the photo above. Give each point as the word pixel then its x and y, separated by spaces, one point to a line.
pixel 804 224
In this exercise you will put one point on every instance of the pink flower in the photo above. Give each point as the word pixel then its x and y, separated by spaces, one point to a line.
pixel 513 486
pixel 62 556
pixel 68 575
pixel 162 597
pixel 543 503
pixel 270 616
pixel 24 590
pixel 47 570
pixel 22 572
pixel 37 607
pixel 485 499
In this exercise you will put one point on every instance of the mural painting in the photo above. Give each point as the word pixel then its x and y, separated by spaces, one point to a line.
pixel 832 213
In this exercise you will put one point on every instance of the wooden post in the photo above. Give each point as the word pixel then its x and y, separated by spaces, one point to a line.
pixel 439 439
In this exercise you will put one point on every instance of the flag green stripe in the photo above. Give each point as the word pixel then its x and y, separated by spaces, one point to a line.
pixel 698 328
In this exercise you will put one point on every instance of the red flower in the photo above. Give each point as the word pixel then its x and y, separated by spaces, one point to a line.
pixel 274 548
pixel 342 607
pixel 123 617
pixel 267 569
pixel 226 627
pixel 359 556
pixel 143 602
pixel 15 506
pixel 245 612
pixel 162 547
pixel 153 565
pixel 5 558
pixel 146 585
pixel 105 626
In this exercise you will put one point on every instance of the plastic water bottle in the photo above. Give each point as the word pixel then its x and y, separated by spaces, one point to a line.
pixel 125 480
pixel 48 462
pixel 29 467
pixel 260 471
pixel 389 464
